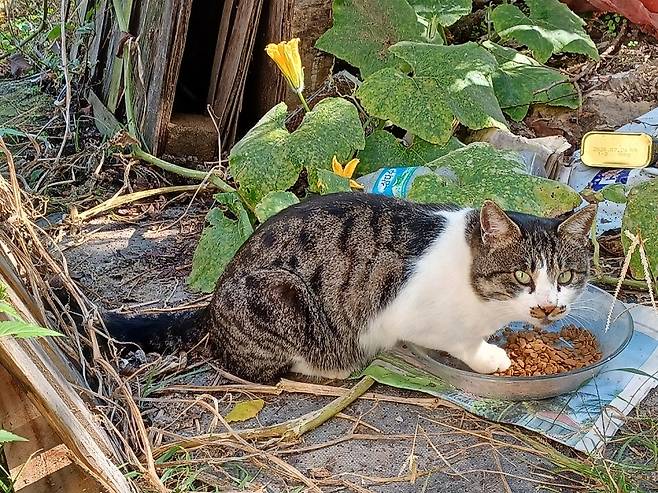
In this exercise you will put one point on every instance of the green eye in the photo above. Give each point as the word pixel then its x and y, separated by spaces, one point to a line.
pixel 522 277
pixel 565 277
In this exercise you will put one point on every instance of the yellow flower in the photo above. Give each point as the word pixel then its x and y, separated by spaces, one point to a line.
pixel 346 171
pixel 286 56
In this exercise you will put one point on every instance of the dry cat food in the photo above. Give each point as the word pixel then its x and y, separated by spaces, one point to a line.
pixel 539 352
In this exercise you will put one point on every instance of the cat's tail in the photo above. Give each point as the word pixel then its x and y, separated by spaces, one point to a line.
pixel 162 332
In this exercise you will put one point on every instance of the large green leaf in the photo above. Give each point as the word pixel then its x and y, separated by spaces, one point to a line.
pixel 384 150
pixel 363 30
pixel 486 173
pixel 641 216
pixel 550 28
pixel 447 83
pixel 259 161
pixel 269 158
pixel 521 81
pixel 446 12
pixel 333 128
pixel 325 182
pixel 273 203
pixel 219 242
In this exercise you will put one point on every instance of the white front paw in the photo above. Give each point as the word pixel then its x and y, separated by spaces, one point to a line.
pixel 489 359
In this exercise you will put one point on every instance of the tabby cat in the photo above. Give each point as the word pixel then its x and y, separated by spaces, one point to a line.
pixel 323 286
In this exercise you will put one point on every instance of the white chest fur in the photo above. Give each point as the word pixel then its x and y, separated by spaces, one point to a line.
pixel 437 308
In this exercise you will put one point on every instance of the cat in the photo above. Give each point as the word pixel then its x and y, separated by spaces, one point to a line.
pixel 324 285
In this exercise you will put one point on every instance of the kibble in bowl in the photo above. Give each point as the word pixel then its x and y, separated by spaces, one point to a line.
pixel 572 354
pixel 537 351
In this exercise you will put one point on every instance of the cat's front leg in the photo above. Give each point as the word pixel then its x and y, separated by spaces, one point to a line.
pixel 483 357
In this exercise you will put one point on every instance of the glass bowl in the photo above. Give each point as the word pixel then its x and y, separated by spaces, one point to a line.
pixel 590 311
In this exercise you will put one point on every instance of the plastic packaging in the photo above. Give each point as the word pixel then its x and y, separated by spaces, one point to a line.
pixel 396 182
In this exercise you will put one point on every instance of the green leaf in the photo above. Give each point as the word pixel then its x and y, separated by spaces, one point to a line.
pixel 521 81
pixel 219 242
pixel 446 12
pixel 24 330
pixel 9 310
pixel 54 33
pixel 325 182
pixel 333 128
pixel 641 216
pixel 259 162
pixel 269 158
pixel 236 207
pixel 486 173
pixel 384 150
pixel 6 437
pixel 614 193
pixel 447 83
pixel 550 28
pixel 245 410
pixel 273 203
pixel 363 30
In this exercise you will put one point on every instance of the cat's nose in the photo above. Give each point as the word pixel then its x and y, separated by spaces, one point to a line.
pixel 547 309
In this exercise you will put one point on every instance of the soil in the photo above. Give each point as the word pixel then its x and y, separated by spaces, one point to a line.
pixel 132 262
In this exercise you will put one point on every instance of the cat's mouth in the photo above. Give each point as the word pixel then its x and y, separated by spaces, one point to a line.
pixel 545 318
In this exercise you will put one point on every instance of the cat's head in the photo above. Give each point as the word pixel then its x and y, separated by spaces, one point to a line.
pixel 532 268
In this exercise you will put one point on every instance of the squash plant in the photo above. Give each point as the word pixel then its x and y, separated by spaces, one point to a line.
pixel 413 81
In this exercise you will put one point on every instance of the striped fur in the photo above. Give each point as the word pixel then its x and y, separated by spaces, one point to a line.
pixel 324 285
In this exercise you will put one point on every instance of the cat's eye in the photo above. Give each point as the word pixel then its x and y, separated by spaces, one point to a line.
pixel 565 277
pixel 522 277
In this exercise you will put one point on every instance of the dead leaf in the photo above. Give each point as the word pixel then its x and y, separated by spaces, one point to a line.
pixel 245 410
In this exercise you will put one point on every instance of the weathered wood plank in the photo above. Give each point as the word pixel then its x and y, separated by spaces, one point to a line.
pixel 162 26
pixel 234 51
pixel 283 20
pixel 41 368
pixel 43 463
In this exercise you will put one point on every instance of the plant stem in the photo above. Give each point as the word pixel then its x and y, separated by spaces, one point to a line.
pixel 612 281
pixel 311 421
pixel 596 258
pixel 194 174
pixel 115 202
pixel 293 428
pixel 303 100
pixel 128 88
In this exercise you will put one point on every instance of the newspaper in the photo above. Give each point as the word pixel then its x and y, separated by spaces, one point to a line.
pixel 583 419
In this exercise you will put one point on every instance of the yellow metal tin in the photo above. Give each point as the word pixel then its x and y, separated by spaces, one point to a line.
pixel 616 149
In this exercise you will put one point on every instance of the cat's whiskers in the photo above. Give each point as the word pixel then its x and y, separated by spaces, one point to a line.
pixel 580 321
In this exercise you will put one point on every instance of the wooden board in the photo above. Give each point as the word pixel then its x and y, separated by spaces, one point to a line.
pixel 159 26
pixel 162 28
pixel 46 376
pixel 235 45
pixel 43 463
pixel 283 20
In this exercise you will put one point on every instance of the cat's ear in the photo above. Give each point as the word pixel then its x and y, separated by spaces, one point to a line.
pixel 579 224
pixel 496 226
